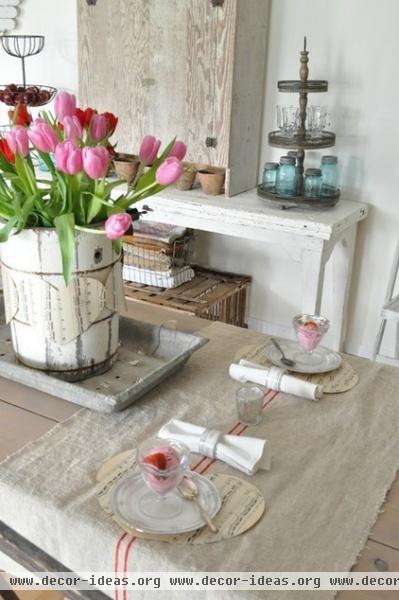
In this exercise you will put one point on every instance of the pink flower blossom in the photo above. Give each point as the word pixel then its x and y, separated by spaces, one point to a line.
pixel 169 171
pixel 149 149
pixel 64 105
pixel 98 127
pixel 72 129
pixel 96 161
pixel 18 140
pixel 179 150
pixel 68 158
pixel 117 225
pixel 42 136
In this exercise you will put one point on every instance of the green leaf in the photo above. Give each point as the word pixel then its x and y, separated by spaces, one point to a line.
pixel 94 208
pixel 6 166
pixel 117 246
pixel 6 230
pixel 65 226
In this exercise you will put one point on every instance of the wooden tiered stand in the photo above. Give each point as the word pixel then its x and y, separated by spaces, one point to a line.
pixel 301 140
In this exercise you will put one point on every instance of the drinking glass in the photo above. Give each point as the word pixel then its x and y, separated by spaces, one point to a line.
pixel 162 464
pixel 249 399
pixel 319 119
pixel 309 330
pixel 287 119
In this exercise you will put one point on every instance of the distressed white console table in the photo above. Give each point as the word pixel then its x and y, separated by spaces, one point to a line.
pixel 309 237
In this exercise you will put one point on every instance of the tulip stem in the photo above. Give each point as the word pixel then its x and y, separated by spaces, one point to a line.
pixel 90 230
pixel 130 198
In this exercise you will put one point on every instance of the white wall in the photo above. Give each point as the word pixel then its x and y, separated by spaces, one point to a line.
pixel 353 44
pixel 56 65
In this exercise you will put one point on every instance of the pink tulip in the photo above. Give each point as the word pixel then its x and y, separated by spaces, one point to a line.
pixel 64 105
pixel 96 161
pixel 98 127
pixel 149 149
pixel 68 158
pixel 169 171
pixel 179 150
pixel 42 136
pixel 18 140
pixel 117 225
pixel 72 129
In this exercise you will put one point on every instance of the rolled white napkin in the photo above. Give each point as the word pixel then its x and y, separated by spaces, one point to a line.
pixel 245 453
pixel 275 378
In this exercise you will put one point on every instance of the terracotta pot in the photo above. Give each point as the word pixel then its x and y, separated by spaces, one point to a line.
pixel 126 166
pixel 212 181
pixel 186 181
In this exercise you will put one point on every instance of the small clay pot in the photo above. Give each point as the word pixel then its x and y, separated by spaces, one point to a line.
pixel 186 181
pixel 126 166
pixel 211 181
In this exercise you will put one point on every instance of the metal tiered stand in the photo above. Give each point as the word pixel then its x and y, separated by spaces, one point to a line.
pixel 301 140
pixel 23 46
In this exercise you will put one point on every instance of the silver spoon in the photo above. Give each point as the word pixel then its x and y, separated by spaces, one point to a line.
pixel 189 490
pixel 286 361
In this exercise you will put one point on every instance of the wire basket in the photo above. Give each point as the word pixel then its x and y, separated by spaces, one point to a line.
pixel 154 255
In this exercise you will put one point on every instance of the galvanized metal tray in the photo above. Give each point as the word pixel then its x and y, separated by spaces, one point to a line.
pixel 148 354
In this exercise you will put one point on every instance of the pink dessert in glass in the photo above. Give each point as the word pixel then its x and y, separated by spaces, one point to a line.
pixel 308 336
pixel 309 330
pixel 163 464
pixel 161 470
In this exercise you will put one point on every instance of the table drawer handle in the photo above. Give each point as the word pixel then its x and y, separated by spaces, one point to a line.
pixel 381 564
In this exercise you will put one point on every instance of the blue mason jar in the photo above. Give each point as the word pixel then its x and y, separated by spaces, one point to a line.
pixel 286 176
pixel 329 175
pixel 312 185
pixel 269 176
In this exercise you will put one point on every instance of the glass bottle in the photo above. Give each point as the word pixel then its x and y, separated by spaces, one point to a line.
pixel 312 185
pixel 286 180
pixel 329 175
pixel 269 176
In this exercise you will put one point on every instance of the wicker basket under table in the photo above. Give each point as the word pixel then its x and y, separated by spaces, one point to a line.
pixel 210 295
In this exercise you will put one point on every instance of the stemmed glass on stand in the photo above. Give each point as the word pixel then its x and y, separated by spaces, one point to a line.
pixel 309 330
pixel 162 463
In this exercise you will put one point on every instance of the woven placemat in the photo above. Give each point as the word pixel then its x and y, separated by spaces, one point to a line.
pixel 334 382
pixel 242 504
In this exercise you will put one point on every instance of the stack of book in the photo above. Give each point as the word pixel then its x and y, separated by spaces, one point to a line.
pixel 157 254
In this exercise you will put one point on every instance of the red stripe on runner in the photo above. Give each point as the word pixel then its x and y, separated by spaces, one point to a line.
pixel 124 591
pixel 232 430
pixel 207 457
pixel 241 431
pixel 116 561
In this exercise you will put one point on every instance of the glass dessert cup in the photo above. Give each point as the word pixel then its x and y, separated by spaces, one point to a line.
pixel 162 464
pixel 309 330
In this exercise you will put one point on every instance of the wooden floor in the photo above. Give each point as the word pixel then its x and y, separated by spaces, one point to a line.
pixel 26 414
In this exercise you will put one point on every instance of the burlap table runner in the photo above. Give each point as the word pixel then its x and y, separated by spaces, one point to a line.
pixel 333 462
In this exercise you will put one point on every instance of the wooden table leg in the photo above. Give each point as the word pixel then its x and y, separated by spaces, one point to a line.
pixel 313 262
pixel 342 262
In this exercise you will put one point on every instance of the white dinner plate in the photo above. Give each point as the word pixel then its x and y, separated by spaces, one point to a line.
pixel 128 503
pixel 324 359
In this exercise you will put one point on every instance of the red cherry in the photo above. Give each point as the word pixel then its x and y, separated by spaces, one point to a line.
pixel 28 97
pixel 311 325
pixel 157 460
pixel 42 98
pixel 8 98
pixel 11 87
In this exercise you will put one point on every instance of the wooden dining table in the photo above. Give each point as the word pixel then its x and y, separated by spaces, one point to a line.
pixel 26 414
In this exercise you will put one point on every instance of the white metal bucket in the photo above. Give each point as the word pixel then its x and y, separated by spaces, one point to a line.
pixel 69 331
